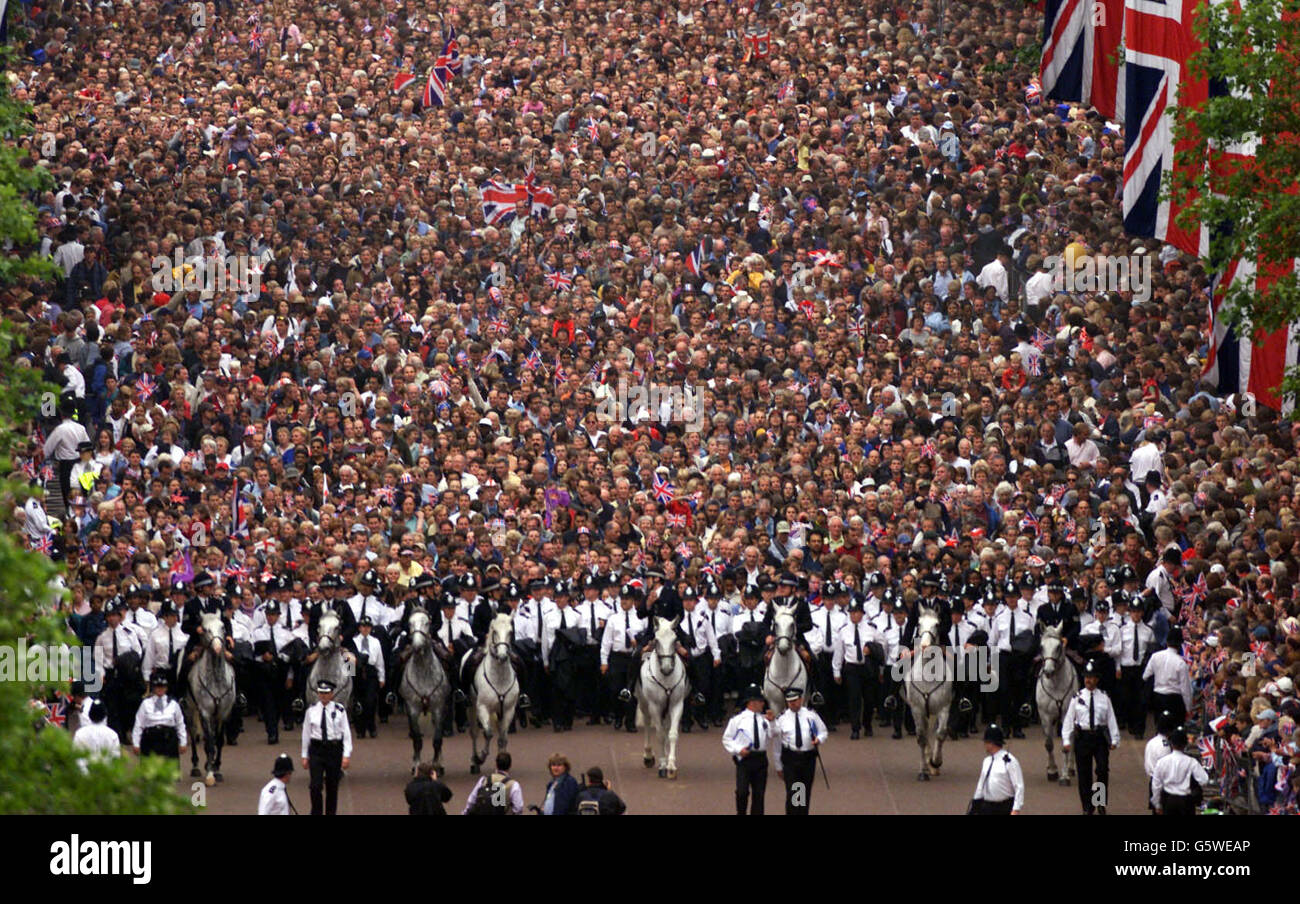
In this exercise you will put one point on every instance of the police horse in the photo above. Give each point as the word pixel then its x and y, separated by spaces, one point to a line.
pixel 928 689
pixel 331 663
pixel 211 697
pixel 494 693
pixel 1056 686
pixel 424 687
pixel 786 668
pixel 662 698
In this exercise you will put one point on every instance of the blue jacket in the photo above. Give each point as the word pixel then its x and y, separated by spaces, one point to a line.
pixel 566 794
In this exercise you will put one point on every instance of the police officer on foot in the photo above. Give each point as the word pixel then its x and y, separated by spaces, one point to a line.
pixel 746 738
pixel 1001 787
pixel 326 748
pixel 159 724
pixel 274 799
pixel 1090 726
pixel 800 732
pixel 1172 791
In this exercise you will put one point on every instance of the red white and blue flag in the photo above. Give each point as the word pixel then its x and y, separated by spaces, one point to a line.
pixel 1241 360
pixel 540 199
pixel 663 490
pixel 499 200
pixel 1080 59
pixel 695 260
pixel 558 280
pixel 445 67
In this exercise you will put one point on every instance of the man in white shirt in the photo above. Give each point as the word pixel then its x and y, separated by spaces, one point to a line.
pixel 96 738
pixel 796 735
pixel 1090 727
pixel 326 749
pixel 274 799
pixel 1146 457
pixel 746 739
pixel 1172 690
pixel 994 274
pixel 1000 790
pixel 1171 780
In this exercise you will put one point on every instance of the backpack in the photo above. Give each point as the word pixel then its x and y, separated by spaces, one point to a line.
pixel 589 807
pixel 496 787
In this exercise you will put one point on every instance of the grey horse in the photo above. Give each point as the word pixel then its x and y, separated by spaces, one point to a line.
pixel 662 698
pixel 211 697
pixel 494 694
pixel 786 668
pixel 1056 686
pixel 928 683
pixel 424 688
pixel 332 662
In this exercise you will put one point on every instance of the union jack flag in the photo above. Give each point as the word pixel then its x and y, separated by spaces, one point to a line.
pixel 1041 338
pixel 1034 366
pixel 402 79
pixel 1030 521
pixel 676 520
pixel 45 545
pixel 1206 748
pixel 928 449
pixel 560 375
pixel 785 90
pixel 56 713
pixel 1071 533
pixel 857 329
pixel 255 41
pixel 714 565
pixel 386 494
pixel 824 258
pixel 500 325
pixel 533 361
pixel 809 308
pixel 235 571
pixel 146 386
pixel 445 67
pixel 593 129
pixel 558 280
pixel 683 550
pixel 663 490
pixel 540 199
pixel 695 260
pixel 499 200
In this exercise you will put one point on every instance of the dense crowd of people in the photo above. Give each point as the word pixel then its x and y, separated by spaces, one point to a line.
pixel 831 226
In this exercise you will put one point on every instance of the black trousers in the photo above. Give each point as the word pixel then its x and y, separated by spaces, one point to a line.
pixel 367 688
pixel 723 681
pixel 700 672
pixel 591 694
pixel 1091 749
pixel 854 678
pixel 1170 703
pixel 830 690
pixel 902 712
pixel 960 722
pixel 751 778
pixel 991 807
pixel 620 677
pixel 1013 678
pixel 1132 714
pixel 273 696
pixel 1176 804
pixel 325 759
pixel 800 769
pixel 563 696
pixel 160 740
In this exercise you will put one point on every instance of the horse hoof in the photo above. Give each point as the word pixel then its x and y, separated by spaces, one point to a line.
pixel 473 769
pixel 218 776
pixel 210 780
pixel 923 776
pixel 1064 783
pixel 1053 776
pixel 195 773
pixel 663 773
pixel 649 762
pixel 672 774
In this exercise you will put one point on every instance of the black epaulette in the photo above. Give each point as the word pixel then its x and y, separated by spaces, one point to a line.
pixel 1006 758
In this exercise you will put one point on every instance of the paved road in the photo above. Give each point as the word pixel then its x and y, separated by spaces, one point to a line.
pixel 872 776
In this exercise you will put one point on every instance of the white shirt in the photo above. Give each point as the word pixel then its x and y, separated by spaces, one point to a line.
pixel 1158 580
pixel 1157 749
pixel 1174 773
pixel 696 625
pixel 153 713
pixel 1170 673
pixel 61 444
pixel 817 636
pixel 1001 779
pixel 810 726
pixel 339 730
pixel 274 799
pixel 1007 624
pixel 620 634
pixel 98 740
pixel 373 651
pixel 719 619
pixel 1090 711
pixel 158 653
pixel 739 733
pixel 551 624
pixel 995 275
pixel 844 649
pixel 1038 287
pixel 1135 640
pixel 127 641
pixel 592 615
pixel 1145 457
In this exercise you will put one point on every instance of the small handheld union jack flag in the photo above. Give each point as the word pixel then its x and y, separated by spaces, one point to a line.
pixel 824 258
pixel 146 386
pixel 500 325
pixel 533 361
pixel 1034 366
pixel 1030 522
pixel 676 520
pixel 858 329
pixel 593 129
pixel 663 490
pixel 558 280
pixel 683 550
pixel 45 545
pixel 56 713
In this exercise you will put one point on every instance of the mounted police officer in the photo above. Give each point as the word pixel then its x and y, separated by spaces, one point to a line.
pixel 703 656
pixel 453 638
pixel 166 644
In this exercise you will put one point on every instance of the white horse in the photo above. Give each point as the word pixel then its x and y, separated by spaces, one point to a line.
pixel 331 661
pixel 424 688
pixel 494 693
pixel 785 669
pixel 928 685
pixel 1056 686
pixel 211 698
pixel 662 698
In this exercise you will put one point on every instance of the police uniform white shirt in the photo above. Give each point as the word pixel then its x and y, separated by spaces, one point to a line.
pixel 158 653
pixel 545 605
pixel 1001 779
pixel 843 649
pixel 290 615
pixel 152 713
pixel 1156 750
pixel 1129 632
pixel 1009 623
pixel 719 619
pixel 551 624
pixel 696 625
pixel 295 610
pixel 142 621
pixel 893 640
pixel 98 740
pixel 127 641
pixel 620 633
pixel 810 726
pixel 449 630
pixel 365 604
pixel 274 799
pixel 1086 619
pixel 757 614
pixel 241 626
pixel 1090 711
pixel 1038 599
pixel 278 633
pixel 871 605
pixel 739 733
pixel 369 646
pixel 339 729
pixel 880 621
pixel 1158 580
pixel 1175 773
pixel 1111 640
pixel 957 636
pixel 1169 670
pixel 583 614
pixel 982 620
pixel 817 636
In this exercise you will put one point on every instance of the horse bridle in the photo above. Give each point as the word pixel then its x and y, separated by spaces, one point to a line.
pixel 1060 702
pixel 934 638
pixel 501 695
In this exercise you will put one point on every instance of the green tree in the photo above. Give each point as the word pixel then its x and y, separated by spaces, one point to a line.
pixel 1238 167
pixel 39 771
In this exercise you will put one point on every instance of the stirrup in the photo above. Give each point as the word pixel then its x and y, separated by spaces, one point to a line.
pixel 391 699
pixel 625 695
pixel 523 702
pixel 459 696
pixel 891 703
pixel 818 699
pixel 698 699
pixel 964 705
pixel 297 705
pixel 241 705
pixel 1026 711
